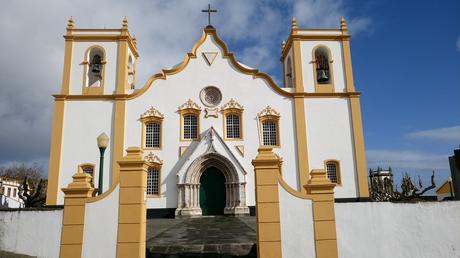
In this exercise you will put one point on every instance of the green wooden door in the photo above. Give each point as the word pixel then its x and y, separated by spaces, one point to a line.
pixel 212 192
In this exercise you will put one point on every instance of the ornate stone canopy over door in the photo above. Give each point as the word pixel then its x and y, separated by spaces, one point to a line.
pixel 189 180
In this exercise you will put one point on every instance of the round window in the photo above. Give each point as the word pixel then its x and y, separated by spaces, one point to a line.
pixel 210 96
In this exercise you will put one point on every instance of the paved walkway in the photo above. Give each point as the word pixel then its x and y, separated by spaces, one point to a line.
pixel 202 237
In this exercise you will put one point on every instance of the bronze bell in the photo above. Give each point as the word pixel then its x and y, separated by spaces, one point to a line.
pixel 322 76
pixel 96 64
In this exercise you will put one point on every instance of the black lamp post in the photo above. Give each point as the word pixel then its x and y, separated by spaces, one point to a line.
pixel 102 143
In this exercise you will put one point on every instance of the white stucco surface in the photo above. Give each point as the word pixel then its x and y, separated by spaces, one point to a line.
pixel 296 222
pixel 101 227
pixel 35 233
pixel 84 121
pixel 330 136
pixel 396 230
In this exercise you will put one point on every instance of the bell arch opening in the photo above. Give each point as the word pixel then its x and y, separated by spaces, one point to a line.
pixel 189 187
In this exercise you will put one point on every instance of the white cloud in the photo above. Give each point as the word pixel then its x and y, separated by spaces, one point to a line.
pixel 408 159
pixel 443 134
pixel 458 43
pixel 32 48
pixel 327 13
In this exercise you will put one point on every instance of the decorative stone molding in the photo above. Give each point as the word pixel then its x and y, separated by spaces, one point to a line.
pixel 268 111
pixel 211 112
pixel 232 104
pixel 189 105
pixel 210 96
pixel 152 158
pixel 152 112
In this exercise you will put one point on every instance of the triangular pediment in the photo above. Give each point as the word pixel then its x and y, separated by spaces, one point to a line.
pixel 211 143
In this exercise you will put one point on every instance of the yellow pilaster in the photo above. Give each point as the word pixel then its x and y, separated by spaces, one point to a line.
pixel 74 215
pixel 132 210
pixel 266 168
pixel 118 136
pixel 300 118
pixel 52 191
pixel 321 190
pixel 356 116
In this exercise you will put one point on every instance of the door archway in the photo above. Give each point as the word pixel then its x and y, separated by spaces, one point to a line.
pixel 212 192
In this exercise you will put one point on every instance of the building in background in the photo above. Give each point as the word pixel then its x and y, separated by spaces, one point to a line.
pixel 454 162
pixel 9 193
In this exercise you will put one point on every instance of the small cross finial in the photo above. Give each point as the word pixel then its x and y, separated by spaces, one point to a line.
pixel 209 11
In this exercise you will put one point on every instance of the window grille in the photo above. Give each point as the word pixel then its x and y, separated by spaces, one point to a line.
pixel 152 135
pixel 331 169
pixel 190 127
pixel 153 181
pixel 269 133
pixel 233 126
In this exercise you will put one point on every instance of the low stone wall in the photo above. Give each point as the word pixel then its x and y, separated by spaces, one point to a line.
pixel 34 232
pixel 383 229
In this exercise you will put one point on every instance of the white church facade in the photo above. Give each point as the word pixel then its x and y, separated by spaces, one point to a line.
pixel 201 122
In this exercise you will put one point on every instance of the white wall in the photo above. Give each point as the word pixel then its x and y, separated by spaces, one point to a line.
pixel 253 93
pixel 35 233
pixel 381 229
pixel 84 121
pixel 101 227
pixel 296 222
pixel 330 136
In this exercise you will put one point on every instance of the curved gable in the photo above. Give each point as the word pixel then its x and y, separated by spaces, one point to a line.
pixel 223 49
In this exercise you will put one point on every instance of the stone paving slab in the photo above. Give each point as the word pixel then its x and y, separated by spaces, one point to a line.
pixel 224 236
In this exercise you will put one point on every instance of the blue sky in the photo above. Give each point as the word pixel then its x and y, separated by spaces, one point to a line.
pixel 406 63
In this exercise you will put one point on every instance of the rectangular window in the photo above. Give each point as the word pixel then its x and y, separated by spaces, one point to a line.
pixel 152 135
pixel 269 133
pixel 190 127
pixel 14 192
pixel 153 181
pixel 332 172
pixel 9 192
pixel 233 126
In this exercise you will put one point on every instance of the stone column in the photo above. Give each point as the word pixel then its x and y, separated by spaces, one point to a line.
pixel 73 222
pixel 132 210
pixel 321 191
pixel 266 168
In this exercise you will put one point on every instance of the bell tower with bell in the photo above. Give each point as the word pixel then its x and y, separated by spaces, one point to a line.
pixel 317 70
pixel 99 61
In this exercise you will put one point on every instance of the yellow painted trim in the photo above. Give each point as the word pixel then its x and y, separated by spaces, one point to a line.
pixel 327 87
pixel 158 166
pixel 193 112
pixel 118 137
pixel 67 68
pixel 149 120
pixel 349 82
pixel 52 191
pixel 122 67
pixel 444 188
pixel 359 149
pixel 86 89
pixel 237 112
pixel 338 170
pixel 274 119
pixel 300 117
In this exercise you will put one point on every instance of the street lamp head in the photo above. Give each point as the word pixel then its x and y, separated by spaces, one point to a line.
pixel 102 141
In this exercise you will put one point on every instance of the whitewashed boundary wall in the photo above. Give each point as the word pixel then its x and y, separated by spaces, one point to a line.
pixel 398 230
pixel 31 232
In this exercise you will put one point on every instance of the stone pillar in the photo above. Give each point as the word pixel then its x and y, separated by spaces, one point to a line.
pixel 132 209
pixel 321 191
pixel 266 168
pixel 73 222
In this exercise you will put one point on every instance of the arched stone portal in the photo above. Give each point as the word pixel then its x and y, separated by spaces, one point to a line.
pixel 189 188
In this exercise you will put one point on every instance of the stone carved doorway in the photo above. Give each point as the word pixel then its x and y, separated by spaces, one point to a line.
pixel 212 192
pixel 189 186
